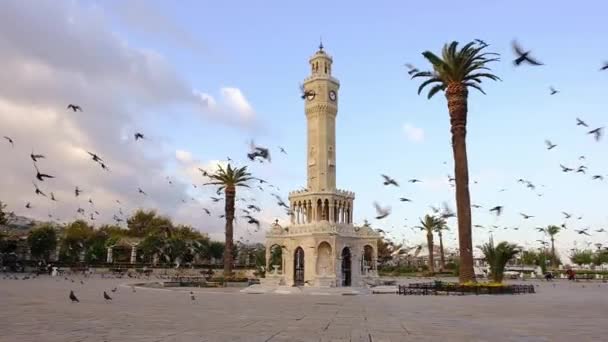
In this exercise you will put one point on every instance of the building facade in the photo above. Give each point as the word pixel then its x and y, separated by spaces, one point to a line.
pixel 321 246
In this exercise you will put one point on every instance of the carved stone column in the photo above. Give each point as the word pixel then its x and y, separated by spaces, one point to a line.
pixel 133 254
pixel 109 257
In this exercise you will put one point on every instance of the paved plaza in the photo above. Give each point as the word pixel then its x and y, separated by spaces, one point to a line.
pixel 39 310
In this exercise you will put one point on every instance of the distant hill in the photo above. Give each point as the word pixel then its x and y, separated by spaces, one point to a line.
pixel 19 223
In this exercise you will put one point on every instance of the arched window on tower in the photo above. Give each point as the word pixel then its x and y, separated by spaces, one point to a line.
pixel 325 65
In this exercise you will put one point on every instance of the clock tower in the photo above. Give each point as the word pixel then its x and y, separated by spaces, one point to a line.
pixel 321 246
pixel 321 107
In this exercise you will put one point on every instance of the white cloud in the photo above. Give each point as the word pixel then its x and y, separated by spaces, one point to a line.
pixel 183 157
pixel 233 107
pixel 413 133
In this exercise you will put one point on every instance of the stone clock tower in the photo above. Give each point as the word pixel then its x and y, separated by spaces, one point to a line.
pixel 321 247
pixel 321 90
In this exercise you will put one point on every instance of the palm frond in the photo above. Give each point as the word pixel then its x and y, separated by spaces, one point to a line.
pixel 466 66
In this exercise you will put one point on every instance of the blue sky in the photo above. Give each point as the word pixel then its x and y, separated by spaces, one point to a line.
pixel 265 48
pixel 262 48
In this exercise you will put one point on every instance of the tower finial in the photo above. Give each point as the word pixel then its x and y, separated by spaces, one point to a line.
pixel 320 43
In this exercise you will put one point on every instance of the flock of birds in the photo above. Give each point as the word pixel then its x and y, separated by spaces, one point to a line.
pixel 262 154
pixel 105 295
pixel 256 153
pixel 521 57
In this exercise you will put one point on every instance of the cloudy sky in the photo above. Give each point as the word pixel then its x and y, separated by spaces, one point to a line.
pixel 202 79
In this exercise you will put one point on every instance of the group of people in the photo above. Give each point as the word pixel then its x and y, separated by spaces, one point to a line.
pixel 570 273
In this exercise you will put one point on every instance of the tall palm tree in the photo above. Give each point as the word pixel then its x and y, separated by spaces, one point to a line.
pixel 553 230
pixel 228 180
pixel 429 224
pixel 439 228
pixel 454 73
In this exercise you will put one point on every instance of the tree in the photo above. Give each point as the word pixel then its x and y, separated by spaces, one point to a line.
pixel 439 228
pixel 552 230
pixel 228 180
pixel 600 257
pixel 454 73
pixel 216 250
pixel 200 248
pixel 498 256
pixel 42 241
pixel 582 257
pixel 74 240
pixel 96 246
pixel 429 224
pixel 3 215
pixel 143 222
pixel 152 245
pixel 529 257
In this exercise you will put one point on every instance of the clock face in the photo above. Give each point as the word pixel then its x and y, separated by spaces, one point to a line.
pixel 332 95
pixel 310 95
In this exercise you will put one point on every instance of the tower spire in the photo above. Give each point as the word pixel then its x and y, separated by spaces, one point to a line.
pixel 320 43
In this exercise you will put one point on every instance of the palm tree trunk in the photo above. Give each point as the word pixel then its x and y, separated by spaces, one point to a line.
pixel 229 208
pixel 456 95
pixel 553 260
pixel 429 242
pixel 441 251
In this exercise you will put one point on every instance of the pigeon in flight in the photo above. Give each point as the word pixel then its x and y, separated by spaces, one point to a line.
pixel 476 206
pixel 106 296
pixel 389 181
pixel 381 212
pixel 252 220
pixel 138 136
pixel 553 91
pixel 95 157
pixel 604 67
pixel 282 150
pixel 141 191
pixel 403 199
pixel 38 191
pixel 35 157
pixel 53 197
pixel 565 169
pixel 207 211
pixel 77 192
pixel 596 177
pixel 75 108
pixel 580 122
pixel 582 231
pixel 526 216
pixel 497 209
pixel 597 133
pixel 41 176
pixel 414 180
pixel 10 141
pixel 550 145
pixel 523 56
pixel 258 151
pixel 28 205
pixel 412 69
pixel 566 215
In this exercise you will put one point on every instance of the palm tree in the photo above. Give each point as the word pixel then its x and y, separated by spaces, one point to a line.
pixel 454 73
pixel 553 230
pixel 228 180
pixel 498 257
pixel 429 224
pixel 439 228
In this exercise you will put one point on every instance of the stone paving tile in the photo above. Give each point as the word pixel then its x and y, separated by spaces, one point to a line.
pixel 39 310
